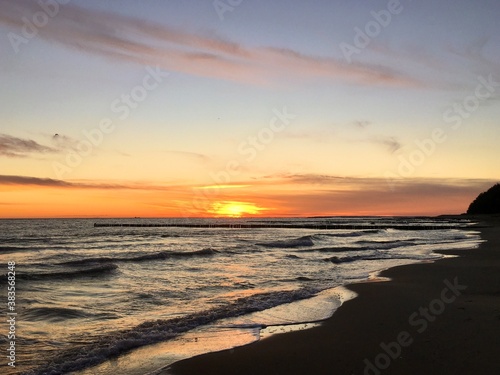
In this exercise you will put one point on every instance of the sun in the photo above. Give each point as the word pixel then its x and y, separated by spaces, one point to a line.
pixel 234 209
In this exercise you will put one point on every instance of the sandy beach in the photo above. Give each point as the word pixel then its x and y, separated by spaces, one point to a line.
pixel 431 318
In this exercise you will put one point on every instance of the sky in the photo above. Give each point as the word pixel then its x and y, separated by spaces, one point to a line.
pixel 233 108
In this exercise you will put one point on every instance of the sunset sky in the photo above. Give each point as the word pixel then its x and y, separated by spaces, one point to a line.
pixel 252 107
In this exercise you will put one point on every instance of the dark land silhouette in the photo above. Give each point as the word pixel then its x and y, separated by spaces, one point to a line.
pixel 487 202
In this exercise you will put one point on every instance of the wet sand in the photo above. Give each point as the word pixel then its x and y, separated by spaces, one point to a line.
pixel 431 318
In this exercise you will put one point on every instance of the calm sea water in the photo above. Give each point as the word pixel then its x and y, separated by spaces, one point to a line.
pixel 129 300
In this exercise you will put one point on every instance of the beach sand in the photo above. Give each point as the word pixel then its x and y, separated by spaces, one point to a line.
pixel 423 321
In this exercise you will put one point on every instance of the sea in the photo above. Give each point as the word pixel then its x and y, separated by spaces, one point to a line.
pixel 133 296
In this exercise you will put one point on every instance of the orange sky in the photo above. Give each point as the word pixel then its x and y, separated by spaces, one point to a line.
pixel 166 110
pixel 285 196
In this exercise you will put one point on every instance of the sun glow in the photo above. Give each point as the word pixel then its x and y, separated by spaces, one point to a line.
pixel 234 209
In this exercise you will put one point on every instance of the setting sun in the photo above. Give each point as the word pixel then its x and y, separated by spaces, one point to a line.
pixel 234 209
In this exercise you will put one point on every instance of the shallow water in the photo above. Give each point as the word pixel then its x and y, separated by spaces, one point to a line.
pixel 87 295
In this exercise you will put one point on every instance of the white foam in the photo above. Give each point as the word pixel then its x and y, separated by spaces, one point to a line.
pixel 226 334
pixel 152 359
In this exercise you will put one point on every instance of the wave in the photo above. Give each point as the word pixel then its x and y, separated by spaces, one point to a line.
pixel 52 314
pixel 342 249
pixel 354 258
pixel 385 244
pixel 142 258
pixel 363 246
pixel 11 249
pixel 86 272
pixel 110 346
pixel 292 243
pixel 174 254
pixel 354 233
pixel 303 278
pixel 134 233
pixel 26 239
pixel 348 259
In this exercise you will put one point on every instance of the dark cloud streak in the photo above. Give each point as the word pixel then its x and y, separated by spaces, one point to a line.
pixel 18 147
pixel 32 181
pixel 9 180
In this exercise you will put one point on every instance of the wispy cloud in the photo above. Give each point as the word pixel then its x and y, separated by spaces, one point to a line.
pixel 307 179
pixel 315 135
pixel 195 156
pixel 19 147
pixel 455 66
pixel 62 141
pixel 45 182
pixel 320 194
pixel 35 181
pixel 131 39
pixel 217 187
pixel 361 124
pixel 10 180
pixel 390 143
pixel 475 52
pixel 372 183
pixel 413 198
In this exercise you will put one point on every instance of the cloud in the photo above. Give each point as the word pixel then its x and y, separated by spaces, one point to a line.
pixel 315 135
pixel 18 147
pixel 373 183
pixel 475 52
pixel 190 155
pixel 33 181
pixel 361 123
pixel 9 180
pixel 451 65
pixel 306 178
pixel 136 40
pixel 61 141
pixel 320 194
pixel 391 143
pixel 217 187
pixel 295 194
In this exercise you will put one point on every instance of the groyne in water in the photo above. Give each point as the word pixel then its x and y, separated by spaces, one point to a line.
pixel 288 225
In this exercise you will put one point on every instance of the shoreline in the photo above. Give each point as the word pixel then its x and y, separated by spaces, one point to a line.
pixel 437 318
